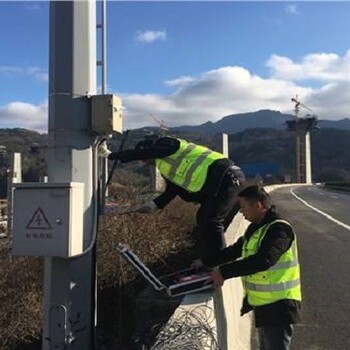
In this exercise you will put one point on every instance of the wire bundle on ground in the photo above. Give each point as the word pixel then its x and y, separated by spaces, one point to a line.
pixel 190 330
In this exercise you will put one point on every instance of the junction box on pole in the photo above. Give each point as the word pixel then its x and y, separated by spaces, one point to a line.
pixel 48 219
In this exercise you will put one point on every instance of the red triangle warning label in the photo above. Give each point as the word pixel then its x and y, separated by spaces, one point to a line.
pixel 38 221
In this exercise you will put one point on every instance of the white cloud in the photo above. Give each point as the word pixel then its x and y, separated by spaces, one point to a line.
pixel 233 89
pixel 33 7
pixel 211 96
pixel 150 36
pixel 223 91
pixel 10 69
pixel 292 9
pixel 318 66
pixel 36 72
pixel 24 115
pixel 184 80
pixel 331 101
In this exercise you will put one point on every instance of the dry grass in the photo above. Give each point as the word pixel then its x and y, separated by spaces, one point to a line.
pixel 163 240
pixel 20 299
pixel 159 239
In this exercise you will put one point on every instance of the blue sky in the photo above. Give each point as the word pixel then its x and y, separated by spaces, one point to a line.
pixel 190 62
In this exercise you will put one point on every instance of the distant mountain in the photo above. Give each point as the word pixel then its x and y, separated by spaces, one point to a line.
pixel 343 124
pixel 235 123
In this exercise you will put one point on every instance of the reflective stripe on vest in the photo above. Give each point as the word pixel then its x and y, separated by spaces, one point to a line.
pixel 188 167
pixel 272 287
pixel 280 281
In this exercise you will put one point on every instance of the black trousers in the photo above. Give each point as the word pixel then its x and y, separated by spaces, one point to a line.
pixel 214 216
pixel 275 338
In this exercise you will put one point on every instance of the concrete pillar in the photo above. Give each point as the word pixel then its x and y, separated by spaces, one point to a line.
pixel 69 285
pixel 43 179
pixel 157 181
pixel 308 170
pixel 14 176
pixel 225 150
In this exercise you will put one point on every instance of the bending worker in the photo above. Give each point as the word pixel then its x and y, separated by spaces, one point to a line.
pixel 266 257
pixel 195 174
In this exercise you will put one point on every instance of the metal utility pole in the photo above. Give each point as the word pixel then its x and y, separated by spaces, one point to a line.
pixel 103 62
pixel 102 26
pixel 69 300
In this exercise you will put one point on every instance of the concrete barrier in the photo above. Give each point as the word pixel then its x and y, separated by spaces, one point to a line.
pixel 233 332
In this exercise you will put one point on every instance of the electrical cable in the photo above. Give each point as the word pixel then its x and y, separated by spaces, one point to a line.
pixel 95 200
pixel 189 330
pixel 116 161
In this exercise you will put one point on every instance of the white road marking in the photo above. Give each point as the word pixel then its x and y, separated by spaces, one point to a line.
pixel 334 196
pixel 329 217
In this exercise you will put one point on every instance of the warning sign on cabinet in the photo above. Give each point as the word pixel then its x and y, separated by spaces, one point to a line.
pixel 38 221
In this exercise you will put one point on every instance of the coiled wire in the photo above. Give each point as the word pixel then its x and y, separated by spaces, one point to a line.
pixel 189 330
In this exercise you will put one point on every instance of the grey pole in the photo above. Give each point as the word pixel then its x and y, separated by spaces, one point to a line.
pixel 103 64
pixel 104 73
pixel 104 46
pixel 69 284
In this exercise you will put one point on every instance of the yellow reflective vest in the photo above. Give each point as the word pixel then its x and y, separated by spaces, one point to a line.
pixel 280 281
pixel 188 166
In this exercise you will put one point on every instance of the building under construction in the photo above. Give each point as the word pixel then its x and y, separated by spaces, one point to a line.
pixel 302 127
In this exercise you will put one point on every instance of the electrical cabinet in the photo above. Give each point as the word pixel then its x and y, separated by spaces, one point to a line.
pixel 48 219
pixel 106 114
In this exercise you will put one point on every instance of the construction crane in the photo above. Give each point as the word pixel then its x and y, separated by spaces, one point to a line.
pixel 297 106
pixel 162 126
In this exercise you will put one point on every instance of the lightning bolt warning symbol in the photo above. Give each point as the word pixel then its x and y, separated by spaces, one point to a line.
pixel 38 221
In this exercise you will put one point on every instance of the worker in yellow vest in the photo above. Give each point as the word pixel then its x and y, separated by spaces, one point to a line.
pixel 266 258
pixel 196 174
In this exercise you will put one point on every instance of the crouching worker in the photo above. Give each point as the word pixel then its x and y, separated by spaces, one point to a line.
pixel 268 264
pixel 195 174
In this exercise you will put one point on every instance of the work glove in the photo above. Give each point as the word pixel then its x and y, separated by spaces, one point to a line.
pixel 148 208
pixel 103 151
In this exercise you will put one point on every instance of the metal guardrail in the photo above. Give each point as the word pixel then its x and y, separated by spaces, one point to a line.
pixel 339 186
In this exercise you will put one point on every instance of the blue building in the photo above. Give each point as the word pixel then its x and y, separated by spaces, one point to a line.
pixel 264 170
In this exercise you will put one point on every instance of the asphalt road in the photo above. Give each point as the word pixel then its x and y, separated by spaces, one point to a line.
pixel 324 253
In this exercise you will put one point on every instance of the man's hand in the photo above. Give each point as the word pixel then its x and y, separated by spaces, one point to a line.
pixel 148 208
pixel 217 278
pixel 103 151
pixel 246 307
pixel 197 264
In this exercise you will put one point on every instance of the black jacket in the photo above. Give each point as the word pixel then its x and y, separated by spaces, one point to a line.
pixel 276 241
pixel 164 147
